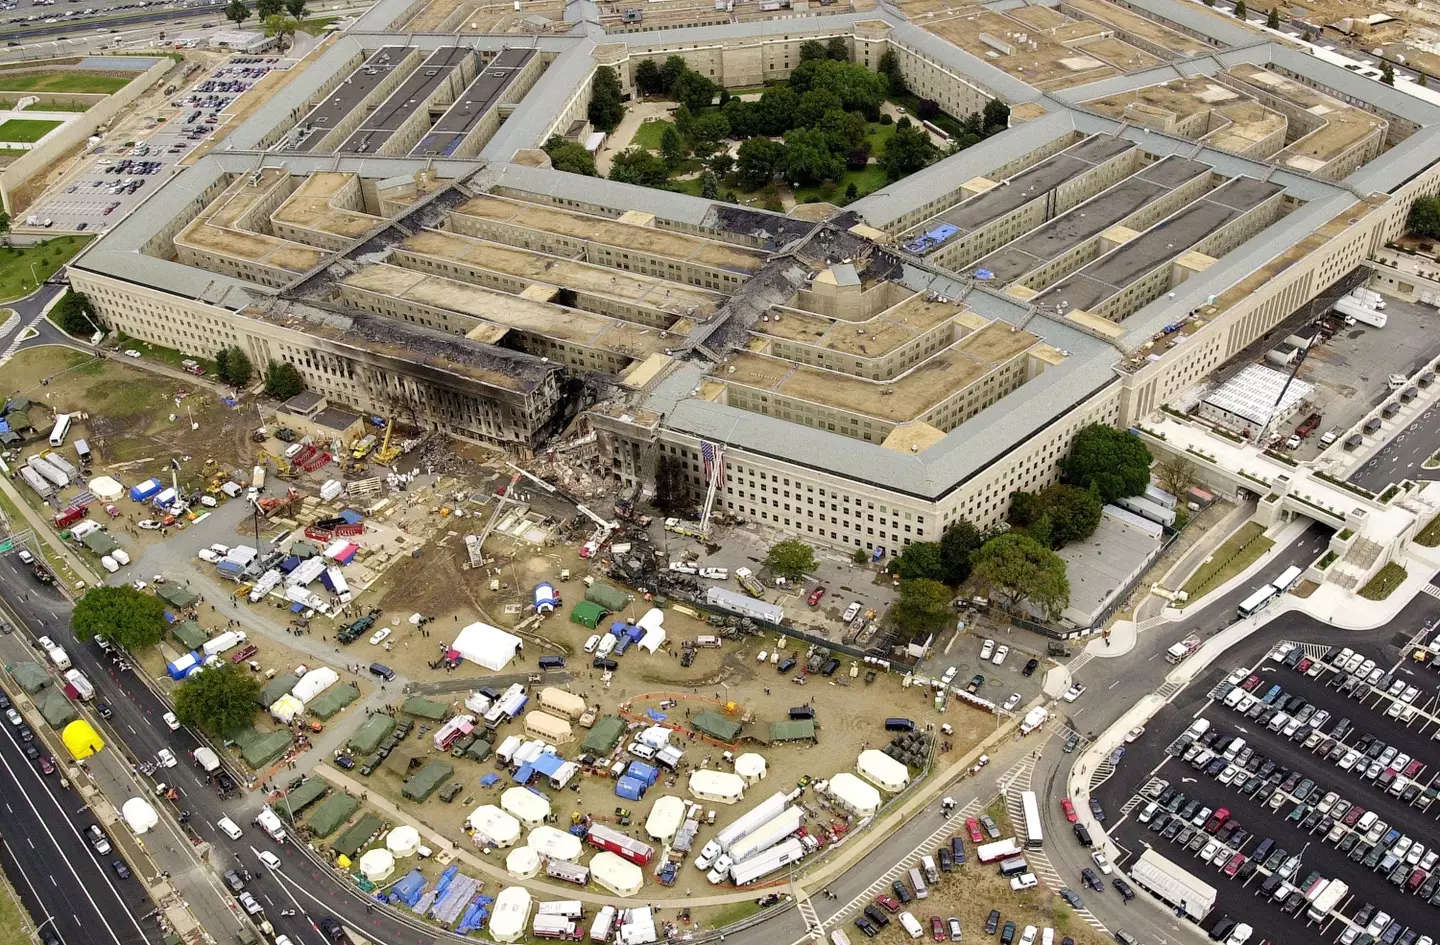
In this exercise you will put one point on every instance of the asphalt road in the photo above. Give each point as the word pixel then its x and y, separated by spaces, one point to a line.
pixel 1401 458
pixel 59 878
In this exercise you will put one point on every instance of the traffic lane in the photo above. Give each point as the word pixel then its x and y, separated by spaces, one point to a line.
pixel 82 894
pixel 1403 457
pixel 318 894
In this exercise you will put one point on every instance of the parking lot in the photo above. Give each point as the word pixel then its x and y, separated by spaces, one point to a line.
pixel 110 182
pixel 1268 800
pixel 1011 682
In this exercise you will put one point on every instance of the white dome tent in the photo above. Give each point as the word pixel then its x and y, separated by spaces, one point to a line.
pixel 487 646
pixel 139 815
pixel 882 771
pixel 751 767
pixel 721 787
pixel 522 863
pixel 377 864
pixel 494 826
pixel 403 841
pixel 620 876
pixel 106 489
pixel 854 795
pixel 555 844
pixel 511 914
pixel 530 808
pixel 665 818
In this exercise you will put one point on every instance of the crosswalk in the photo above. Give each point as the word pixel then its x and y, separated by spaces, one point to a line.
pixel 1018 777
pixel 1101 774
pixel 1078 663
pixel 1039 863
pixel 1432 590
pixel 808 913
pixel 1168 689
pixel 1150 624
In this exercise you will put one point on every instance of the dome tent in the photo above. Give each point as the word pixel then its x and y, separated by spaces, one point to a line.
pixel 494 825
pixel 530 808
pixel 620 876
pixel 139 815
pixel 403 841
pixel 511 914
pixel 882 771
pixel 522 863
pixel 665 818
pixel 750 766
pixel 722 787
pixel 377 864
pixel 555 844
pixel 854 794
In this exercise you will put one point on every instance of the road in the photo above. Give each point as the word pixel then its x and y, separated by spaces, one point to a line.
pixel 1401 458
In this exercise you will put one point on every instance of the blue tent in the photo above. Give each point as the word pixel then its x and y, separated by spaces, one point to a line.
pixel 630 788
pixel 408 889
pixel 475 916
pixel 655 716
pixel 352 517
pixel 489 779
pixel 524 775
pixel 547 764
pixel 145 490
pixel 290 564
pixel 640 771
pixel 634 633
pixel 618 628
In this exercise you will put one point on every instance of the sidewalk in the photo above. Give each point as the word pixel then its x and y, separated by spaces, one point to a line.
pixel 1193 557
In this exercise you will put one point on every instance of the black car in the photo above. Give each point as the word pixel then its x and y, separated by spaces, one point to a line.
pixel 902 892
pixel 957 849
pixel 1097 810
pixel 1007 934
pixel 4 701
pixel 1088 877
pixel 1223 928
pixel 1030 667
pixel 866 926
pixel 330 927
pixel 1072 898
pixel 1124 888
pixel 104 709
pixel 992 922
pixel 946 863
pixel 1172 828
pixel 26 733
pixel 32 751
pixel 877 916
pixel 121 870
pixel 785 666
pixel 1083 835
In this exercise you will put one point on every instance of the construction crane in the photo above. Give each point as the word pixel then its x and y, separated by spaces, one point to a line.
pixel 387 454
pixel 502 499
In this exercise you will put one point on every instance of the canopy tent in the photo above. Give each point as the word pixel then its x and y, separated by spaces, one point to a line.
pixel 486 646
pixel 190 635
pixel 277 687
pixel 750 766
pixel 555 844
pixel 31 676
pixel 403 841
pixel 618 875
pixel 665 818
pixel 302 797
pixel 882 771
pixel 525 804
pixel 356 835
pixel 140 816
pixel 377 864
pixel 604 736
pixel 315 682
pixel 792 730
pixel 425 708
pixel 372 733
pixel 654 636
pixel 285 709
pixel 511 915
pixel 561 702
pixel 106 489
pixel 715 725
pixel 547 726
pixel 332 701
pixel 522 863
pixel 587 613
pixel 176 595
pixel 611 598
pixel 854 795
pixel 495 826
pixel 653 639
pixel 328 817
pixel 427 780
pixel 99 542
pixel 722 787
pixel 58 710
pixel 81 739
pixel 265 748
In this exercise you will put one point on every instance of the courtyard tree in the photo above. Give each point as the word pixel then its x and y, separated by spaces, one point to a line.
pixel 219 700
pixel 234 366
pixel 908 150
pixel 837 49
pixel 957 543
pixel 672 146
pixel 1176 475
pixel 758 161
pixel 124 615
pixel 791 559
pixel 1016 568
pixel 921 559
pixel 1272 20
pixel 1114 461
pixel 607 99
pixel 924 604
pixel 722 164
pixel 570 156
pixel 638 166
pixel 1387 73
pixel 673 69
pixel 889 67
pixel 648 79
pixel 283 380
pixel 693 90
pixel 709 185
pixel 812 49
pixel 1240 11
pixel 1425 217
pixel 808 158
pixel 995 117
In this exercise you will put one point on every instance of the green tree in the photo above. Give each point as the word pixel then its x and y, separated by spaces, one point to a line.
pixel 791 558
pixel 908 150
pixel 75 316
pixel 219 699
pixel 1387 73
pixel 813 106
pixel 921 559
pixel 1017 568
pixel 282 27
pixel 812 49
pixel 1272 21
pixel 837 49
pixel 1113 461
pixel 1425 217
pixel 268 8
pixel 861 556
pixel 127 617
pixel 709 185
pixel 808 158
pixel 1176 475
pixel 693 90
pixel 607 99
pixel 296 8
pixel 570 156
pixel 1070 513
pixel 648 79
pixel 237 12
pixel 672 146
pixel 924 604
pixel 1240 11
pixel 638 166
pixel 722 164
pixel 889 67
pixel 237 369
pixel 959 540
pixel 283 380
pixel 857 87
pixel 672 485
pixel 995 117
pixel 5 225
pixel 708 130
pixel 758 161
pixel 1422 81
pixel 851 192
pixel 673 69
pixel 1209 3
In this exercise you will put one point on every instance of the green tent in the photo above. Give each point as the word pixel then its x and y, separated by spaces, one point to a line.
pixel 427 780
pixel 189 634
pixel 276 688
pixel 332 700
pixel 371 734
pixel 265 749
pixel 358 834
pixel 58 710
pixel 31 676
pixel 328 817
pixel 174 594
pixel 302 797
pixel 479 750
pixel 425 708
pixel 99 542
pixel 587 614
pixel 303 550
pixel 792 730
pixel 715 725
pixel 604 736
pixel 608 596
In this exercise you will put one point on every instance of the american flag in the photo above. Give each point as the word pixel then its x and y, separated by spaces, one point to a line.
pixel 711 456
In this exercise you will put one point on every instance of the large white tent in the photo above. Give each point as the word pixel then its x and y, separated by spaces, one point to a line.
pixel 286 708
pixel 494 825
pixel 620 876
pixel 750 766
pixel 139 815
pixel 377 864
pixel 530 808
pixel 522 863
pixel 106 489
pixel 314 682
pixel 403 840
pixel 722 787
pixel 487 646
pixel 854 795
pixel 654 636
pixel 511 914
pixel 665 817
pixel 555 844
pixel 882 771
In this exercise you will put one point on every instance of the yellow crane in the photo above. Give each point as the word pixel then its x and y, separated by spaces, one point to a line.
pixel 387 452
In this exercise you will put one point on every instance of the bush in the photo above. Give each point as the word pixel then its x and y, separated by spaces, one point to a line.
pixel 886 120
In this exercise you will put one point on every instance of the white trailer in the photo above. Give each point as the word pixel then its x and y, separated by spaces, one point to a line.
pixel 37 482
pixel 758 867
pixel 768 835
pixel 53 475
pixel 1361 313
pixel 751 820
pixel 62 464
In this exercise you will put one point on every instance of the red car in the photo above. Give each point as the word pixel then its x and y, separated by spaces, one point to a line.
pixel 1234 865
pixel 1068 807
pixel 47 766
pixel 888 904
pixel 1304 665
pixel 815 595
pixel 937 928
pixel 1413 768
pixel 1250 684
pixel 973 825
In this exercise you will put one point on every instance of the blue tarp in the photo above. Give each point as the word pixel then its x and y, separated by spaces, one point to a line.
pixel 618 628
pixel 4 427
pixel 640 771
pixel 476 915
pixel 634 633
pixel 524 775
pixel 352 517
pixel 547 764
pixel 229 401
pixel 296 607
pixel 489 779
pixel 655 716
pixel 290 564
pixel 408 889
pixel 445 879
pixel 579 829
pixel 630 788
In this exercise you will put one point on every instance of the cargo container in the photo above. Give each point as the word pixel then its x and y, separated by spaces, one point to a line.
pixel 758 867
pixel 52 475
pixel 62 464
pixel 37 482
pixel 767 835
pixel 608 838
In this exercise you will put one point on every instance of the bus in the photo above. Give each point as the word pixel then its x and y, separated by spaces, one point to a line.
pixel 62 430
pixel 1034 839
pixel 1250 605
pixel 1287 579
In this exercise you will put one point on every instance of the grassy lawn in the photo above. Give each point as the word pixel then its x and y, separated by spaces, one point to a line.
pixel 1239 551
pixel 1382 584
pixel 26 130
pixel 316 25
pixel 1429 535
pixel 16 278
pixel 62 82
pixel 164 355
pixel 68 107
pixel 648 135
pixel 735 912
pixel 867 181
pixel 15 924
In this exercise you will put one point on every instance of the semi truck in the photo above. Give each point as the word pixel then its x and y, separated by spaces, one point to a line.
pixel 758 867
pixel 1352 308
pixel 768 835
pixel 753 819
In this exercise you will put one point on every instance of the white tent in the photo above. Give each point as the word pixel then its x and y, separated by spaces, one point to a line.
pixel 722 787
pixel 494 825
pixel 555 844
pixel 654 638
pixel 314 682
pixel 750 766
pixel 285 708
pixel 487 646
pixel 139 815
pixel 620 876
pixel 854 795
pixel 560 702
pixel 530 808
pixel 882 771
pixel 106 489
pixel 377 864
pixel 522 863
pixel 403 841
pixel 511 914
pixel 652 619
pixel 665 817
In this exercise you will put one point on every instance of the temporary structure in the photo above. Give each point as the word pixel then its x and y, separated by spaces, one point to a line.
pixel 722 787
pixel 750 766
pixel 665 817
pixel 530 808
pixel 315 682
pixel 377 864
pixel 555 844
pixel 487 646
pixel 286 708
pixel 547 726
pixel 81 739
pixel 494 825
pixel 621 877
pixel 522 863
pixel 654 633
pixel 511 914
pixel 139 815
pixel 882 771
pixel 854 795
pixel 402 841
pixel 106 489
pixel 561 702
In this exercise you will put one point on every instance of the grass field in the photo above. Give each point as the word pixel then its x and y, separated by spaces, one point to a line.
pixel 1384 582
pixel 62 82
pixel 70 107
pixel 1238 552
pixel 15 925
pixel 26 130
pixel 648 135
pixel 20 266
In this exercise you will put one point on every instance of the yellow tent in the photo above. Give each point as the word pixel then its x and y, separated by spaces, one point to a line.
pixel 82 739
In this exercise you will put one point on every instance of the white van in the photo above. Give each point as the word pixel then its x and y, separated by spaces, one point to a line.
pixel 1198 727
pixel 1278 722
pixel 1234 748
pixel 1022 882
pixel 228 828
pixel 268 821
pixel 917 880
pixel 911 924
pixel 59 657
pixel 838 937
pixel 82 685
